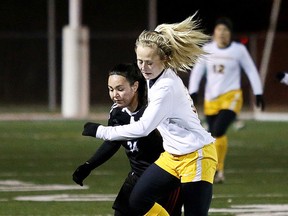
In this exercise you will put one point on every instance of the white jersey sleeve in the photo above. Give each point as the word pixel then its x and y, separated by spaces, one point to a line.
pixel 251 71
pixel 196 75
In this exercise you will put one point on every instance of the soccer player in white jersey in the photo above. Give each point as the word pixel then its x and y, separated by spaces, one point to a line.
pixel 190 156
pixel 223 96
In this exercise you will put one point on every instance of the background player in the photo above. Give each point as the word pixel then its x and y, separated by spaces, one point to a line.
pixel 127 88
pixel 190 156
pixel 223 95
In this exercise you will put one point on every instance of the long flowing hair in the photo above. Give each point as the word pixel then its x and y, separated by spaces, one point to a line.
pixel 179 45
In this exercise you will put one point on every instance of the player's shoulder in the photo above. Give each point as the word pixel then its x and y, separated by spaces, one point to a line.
pixel 163 82
pixel 137 115
pixel 171 82
pixel 238 45
pixel 209 45
pixel 118 116
pixel 115 109
pixel 241 50
pixel 168 77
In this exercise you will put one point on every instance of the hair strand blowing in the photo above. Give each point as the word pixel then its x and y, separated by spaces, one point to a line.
pixel 179 44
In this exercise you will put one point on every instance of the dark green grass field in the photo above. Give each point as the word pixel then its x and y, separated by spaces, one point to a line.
pixel 37 159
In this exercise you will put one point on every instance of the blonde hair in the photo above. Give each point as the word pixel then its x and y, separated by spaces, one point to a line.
pixel 179 44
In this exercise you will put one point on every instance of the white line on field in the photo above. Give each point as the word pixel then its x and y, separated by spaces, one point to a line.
pixel 68 198
pixel 24 174
pixel 237 210
pixel 254 210
pixel 15 185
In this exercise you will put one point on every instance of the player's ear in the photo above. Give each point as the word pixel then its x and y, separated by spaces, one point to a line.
pixel 135 86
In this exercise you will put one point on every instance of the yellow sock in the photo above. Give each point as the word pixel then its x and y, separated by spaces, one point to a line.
pixel 221 145
pixel 157 210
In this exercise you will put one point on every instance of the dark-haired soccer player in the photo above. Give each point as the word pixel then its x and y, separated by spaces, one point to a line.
pixel 127 89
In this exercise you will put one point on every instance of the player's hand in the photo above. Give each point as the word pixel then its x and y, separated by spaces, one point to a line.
pixel 280 76
pixel 81 173
pixel 90 129
pixel 194 97
pixel 260 102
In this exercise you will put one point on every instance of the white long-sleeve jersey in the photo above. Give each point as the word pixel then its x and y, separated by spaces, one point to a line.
pixel 223 70
pixel 170 110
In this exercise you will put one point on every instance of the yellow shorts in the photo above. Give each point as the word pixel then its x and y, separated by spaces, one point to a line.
pixel 232 100
pixel 196 166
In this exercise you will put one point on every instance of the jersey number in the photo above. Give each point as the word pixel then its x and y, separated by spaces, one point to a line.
pixel 132 146
pixel 218 68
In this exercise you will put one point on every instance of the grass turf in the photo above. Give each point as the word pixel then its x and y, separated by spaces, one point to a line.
pixel 47 153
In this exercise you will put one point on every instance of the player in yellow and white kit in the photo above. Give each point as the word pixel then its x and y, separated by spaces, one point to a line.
pixel 190 156
pixel 223 94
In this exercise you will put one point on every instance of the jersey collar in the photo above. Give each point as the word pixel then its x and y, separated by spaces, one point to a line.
pixel 152 81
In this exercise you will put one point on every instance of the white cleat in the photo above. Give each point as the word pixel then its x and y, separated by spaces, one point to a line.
pixel 238 125
pixel 219 177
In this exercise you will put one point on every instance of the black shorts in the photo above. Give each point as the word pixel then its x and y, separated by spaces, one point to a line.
pixel 171 202
pixel 121 203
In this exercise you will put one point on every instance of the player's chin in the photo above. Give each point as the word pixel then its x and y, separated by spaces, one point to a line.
pixel 147 76
pixel 120 104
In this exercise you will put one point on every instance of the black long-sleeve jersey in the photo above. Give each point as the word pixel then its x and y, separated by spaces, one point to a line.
pixel 141 152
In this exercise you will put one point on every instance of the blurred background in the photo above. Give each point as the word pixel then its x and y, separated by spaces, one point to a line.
pixel 26 27
pixel 38 156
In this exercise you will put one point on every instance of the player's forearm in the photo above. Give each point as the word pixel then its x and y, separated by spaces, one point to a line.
pixel 195 79
pixel 104 153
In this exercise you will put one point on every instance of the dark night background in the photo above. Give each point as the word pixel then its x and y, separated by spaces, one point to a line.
pixel 114 26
